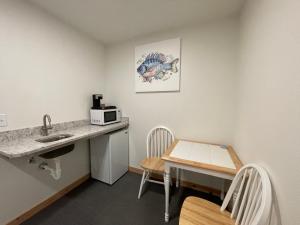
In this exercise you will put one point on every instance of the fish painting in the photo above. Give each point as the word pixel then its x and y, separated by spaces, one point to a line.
pixel 156 66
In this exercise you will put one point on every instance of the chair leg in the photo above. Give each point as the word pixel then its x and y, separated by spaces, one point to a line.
pixel 177 177
pixel 142 184
pixel 147 176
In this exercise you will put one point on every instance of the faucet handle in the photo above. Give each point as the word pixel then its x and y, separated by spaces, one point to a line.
pixel 46 127
pixel 49 121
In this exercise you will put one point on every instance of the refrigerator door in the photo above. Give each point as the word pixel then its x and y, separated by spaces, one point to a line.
pixel 100 158
pixel 119 147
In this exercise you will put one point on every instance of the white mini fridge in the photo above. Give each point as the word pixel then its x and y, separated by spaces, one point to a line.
pixel 109 156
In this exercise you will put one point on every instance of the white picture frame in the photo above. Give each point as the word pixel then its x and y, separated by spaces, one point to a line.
pixel 157 66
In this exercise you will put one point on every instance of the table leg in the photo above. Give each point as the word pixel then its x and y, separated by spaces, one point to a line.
pixel 167 191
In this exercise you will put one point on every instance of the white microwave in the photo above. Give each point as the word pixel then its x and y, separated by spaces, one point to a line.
pixel 105 116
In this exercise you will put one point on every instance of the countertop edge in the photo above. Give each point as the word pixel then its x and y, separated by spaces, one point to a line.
pixel 67 141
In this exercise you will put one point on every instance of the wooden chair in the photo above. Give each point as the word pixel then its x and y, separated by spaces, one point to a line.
pixel 250 193
pixel 158 141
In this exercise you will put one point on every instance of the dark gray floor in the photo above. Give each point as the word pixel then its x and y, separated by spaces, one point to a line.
pixel 95 203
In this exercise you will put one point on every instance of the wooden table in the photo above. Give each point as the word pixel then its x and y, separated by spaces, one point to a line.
pixel 206 158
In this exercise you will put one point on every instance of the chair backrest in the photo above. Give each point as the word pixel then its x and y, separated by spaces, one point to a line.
pixel 158 140
pixel 251 193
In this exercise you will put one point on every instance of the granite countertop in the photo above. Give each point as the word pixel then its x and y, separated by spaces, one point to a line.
pixel 19 143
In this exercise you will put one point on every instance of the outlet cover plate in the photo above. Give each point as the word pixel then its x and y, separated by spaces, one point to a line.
pixel 3 120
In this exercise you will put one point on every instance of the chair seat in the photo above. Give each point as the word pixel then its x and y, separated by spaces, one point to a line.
pixel 197 211
pixel 154 164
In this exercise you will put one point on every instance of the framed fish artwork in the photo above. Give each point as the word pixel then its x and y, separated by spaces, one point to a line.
pixel 157 66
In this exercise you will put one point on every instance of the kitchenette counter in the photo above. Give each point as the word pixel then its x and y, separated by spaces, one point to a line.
pixel 20 143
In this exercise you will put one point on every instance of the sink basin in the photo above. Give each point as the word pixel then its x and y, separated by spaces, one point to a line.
pixel 53 138
pixel 58 152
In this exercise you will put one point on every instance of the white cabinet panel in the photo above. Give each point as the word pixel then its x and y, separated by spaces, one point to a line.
pixel 109 156
pixel 119 154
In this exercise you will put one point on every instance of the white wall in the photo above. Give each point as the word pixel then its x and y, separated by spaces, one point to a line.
pixel 23 185
pixel 45 67
pixel 268 125
pixel 204 109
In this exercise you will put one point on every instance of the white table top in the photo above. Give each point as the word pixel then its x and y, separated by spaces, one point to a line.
pixel 203 153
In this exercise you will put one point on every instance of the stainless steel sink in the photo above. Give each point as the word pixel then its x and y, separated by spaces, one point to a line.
pixel 58 152
pixel 53 138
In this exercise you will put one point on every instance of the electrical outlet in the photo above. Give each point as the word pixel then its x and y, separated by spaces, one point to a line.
pixel 3 120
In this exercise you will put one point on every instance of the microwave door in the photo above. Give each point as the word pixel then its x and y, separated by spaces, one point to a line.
pixel 110 116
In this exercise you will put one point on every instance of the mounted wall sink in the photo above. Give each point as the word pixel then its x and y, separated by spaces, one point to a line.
pixel 58 152
pixel 53 138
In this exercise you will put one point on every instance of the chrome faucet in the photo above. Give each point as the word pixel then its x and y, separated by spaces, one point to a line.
pixel 45 128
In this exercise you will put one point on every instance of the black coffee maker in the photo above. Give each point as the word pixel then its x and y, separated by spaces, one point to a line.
pixel 97 101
